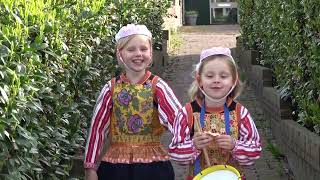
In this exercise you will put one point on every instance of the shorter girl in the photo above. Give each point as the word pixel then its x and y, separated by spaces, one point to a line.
pixel 214 122
pixel 132 111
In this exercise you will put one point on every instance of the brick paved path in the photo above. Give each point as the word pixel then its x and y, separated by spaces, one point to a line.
pixel 178 75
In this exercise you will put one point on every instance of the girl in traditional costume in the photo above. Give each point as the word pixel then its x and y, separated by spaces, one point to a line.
pixel 214 124
pixel 132 111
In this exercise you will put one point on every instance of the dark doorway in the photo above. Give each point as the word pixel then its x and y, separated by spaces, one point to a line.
pixel 203 7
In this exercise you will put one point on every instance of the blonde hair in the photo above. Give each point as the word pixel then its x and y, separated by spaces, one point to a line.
pixel 194 90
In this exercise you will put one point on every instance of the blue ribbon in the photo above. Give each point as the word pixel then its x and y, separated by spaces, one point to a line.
pixel 227 118
pixel 197 167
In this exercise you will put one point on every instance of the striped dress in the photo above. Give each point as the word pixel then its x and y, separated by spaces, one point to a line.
pixel 167 106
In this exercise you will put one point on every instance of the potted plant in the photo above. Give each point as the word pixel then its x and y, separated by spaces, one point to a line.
pixel 191 17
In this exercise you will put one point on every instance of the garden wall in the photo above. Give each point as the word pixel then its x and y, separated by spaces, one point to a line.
pixel 160 57
pixel 173 19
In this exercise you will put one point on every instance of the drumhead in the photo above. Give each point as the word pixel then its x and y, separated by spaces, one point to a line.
pixel 219 172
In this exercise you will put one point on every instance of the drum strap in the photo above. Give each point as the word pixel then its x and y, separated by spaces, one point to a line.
pixel 197 167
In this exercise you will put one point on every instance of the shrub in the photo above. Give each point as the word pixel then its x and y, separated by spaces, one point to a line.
pixel 54 58
pixel 286 33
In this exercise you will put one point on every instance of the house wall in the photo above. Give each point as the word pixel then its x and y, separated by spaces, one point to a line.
pixel 203 7
pixel 174 15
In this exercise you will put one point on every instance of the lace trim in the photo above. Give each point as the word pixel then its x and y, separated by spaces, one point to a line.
pixel 135 139
pixel 135 153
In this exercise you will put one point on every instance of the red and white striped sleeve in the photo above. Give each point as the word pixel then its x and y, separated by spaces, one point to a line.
pixel 181 148
pixel 99 127
pixel 168 104
pixel 248 146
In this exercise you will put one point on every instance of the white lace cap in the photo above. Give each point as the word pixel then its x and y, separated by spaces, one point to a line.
pixel 215 51
pixel 131 29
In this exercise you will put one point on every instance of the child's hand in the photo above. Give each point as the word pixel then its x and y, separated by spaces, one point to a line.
pixel 201 140
pixel 91 174
pixel 225 142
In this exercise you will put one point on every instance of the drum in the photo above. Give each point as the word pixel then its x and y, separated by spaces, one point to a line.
pixel 219 172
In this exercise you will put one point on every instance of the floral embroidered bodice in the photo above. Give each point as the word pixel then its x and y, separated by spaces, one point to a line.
pixel 135 127
pixel 214 122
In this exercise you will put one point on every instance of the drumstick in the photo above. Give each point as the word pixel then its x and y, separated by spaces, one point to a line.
pixel 204 150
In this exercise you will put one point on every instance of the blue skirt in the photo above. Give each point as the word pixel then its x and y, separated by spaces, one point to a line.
pixel 161 170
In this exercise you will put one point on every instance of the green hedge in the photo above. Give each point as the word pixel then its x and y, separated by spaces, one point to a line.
pixel 54 58
pixel 287 35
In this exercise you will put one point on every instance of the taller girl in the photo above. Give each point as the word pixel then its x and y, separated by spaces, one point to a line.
pixel 132 111
pixel 213 120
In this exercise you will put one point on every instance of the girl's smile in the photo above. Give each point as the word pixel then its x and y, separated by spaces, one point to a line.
pixel 137 54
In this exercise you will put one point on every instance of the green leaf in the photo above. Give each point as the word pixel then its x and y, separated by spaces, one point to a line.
pixel 4 95
pixel 17 18
pixel 20 68
pixel 6 133
pixel 33 151
pixel 1 75
pixel 35 106
pixel 4 51
pixel 37 169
